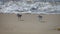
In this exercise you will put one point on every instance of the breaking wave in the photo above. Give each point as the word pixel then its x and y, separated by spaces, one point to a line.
pixel 29 7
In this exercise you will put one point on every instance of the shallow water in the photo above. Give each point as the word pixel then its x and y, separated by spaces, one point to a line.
pixel 9 24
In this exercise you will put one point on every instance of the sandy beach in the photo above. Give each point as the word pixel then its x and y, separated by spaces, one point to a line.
pixel 9 24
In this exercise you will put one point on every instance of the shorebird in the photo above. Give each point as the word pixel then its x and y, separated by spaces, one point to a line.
pixel 19 17
pixel 40 17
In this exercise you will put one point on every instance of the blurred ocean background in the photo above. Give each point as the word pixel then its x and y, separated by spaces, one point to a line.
pixel 30 6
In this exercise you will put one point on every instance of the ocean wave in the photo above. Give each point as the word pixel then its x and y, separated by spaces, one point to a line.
pixel 27 7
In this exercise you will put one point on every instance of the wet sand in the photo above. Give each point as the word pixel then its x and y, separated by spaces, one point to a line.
pixel 9 24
